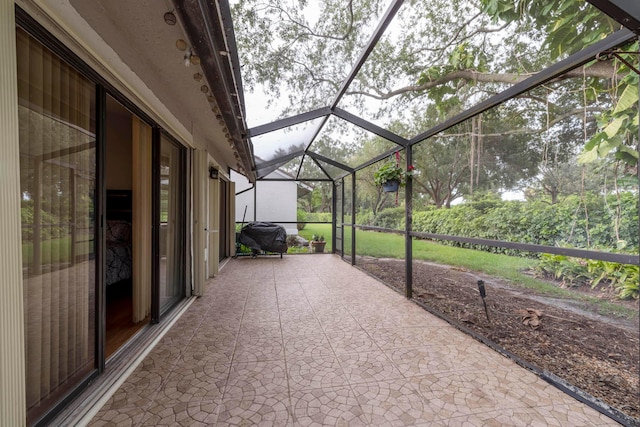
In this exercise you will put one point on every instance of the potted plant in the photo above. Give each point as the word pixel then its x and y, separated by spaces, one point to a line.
pixel 390 176
pixel 317 243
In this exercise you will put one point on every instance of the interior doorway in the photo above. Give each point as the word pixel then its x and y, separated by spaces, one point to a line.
pixel 128 207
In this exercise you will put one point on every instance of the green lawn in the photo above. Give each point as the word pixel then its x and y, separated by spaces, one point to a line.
pixel 387 245
pixel 57 250
pixel 319 229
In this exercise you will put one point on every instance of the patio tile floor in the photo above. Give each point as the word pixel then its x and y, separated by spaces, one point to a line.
pixel 311 341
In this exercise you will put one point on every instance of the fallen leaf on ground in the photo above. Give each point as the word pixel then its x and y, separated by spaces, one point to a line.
pixel 531 317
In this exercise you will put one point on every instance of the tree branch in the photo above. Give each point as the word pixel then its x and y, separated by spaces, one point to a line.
pixel 454 39
pixel 310 32
pixel 599 70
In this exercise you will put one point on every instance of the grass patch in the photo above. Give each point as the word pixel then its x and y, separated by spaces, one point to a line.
pixel 56 251
pixel 319 229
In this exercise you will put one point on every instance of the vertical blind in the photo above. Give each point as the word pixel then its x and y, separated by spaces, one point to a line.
pixel 57 179
pixel 142 253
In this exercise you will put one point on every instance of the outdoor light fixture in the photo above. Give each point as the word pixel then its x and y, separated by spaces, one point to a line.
pixel 181 45
pixel 213 173
pixel 170 18
pixel 483 295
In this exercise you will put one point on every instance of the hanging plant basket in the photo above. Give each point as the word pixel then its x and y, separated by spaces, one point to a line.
pixel 390 176
pixel 391 186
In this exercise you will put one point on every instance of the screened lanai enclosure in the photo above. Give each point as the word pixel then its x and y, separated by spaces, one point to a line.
pixel 512 128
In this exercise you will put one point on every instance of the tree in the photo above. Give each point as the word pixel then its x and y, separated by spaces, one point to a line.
pixel 447 58
pixel 443 166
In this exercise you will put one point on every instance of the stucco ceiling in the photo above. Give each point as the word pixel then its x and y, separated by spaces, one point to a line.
pixel 137 32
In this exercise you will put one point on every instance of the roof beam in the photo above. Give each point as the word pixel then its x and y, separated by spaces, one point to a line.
pixel 368 126
pixel 289 121
pixel 364 55
pixel 375 37
pixel 371 44
pixel 329 161
pixel 304 156
pixel 626 12
pixel 320 166
pixel 377 158
pixel 278 161
pixel 556 70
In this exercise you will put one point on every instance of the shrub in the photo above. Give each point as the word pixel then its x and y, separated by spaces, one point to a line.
pixel 623 278
pixel 319 217
pixel 571 271
pixel 538 222
pixel 390 218
pixel 365 217
pixel 301 217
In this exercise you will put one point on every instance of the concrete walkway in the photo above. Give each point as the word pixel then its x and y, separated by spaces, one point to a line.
pixel 309 340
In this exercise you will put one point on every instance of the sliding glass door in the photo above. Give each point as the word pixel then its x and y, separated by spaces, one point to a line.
pixel 65 121
pixel 58 183
pixel 172 223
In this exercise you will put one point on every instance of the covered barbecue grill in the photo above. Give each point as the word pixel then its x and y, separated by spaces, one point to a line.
pixel 264 236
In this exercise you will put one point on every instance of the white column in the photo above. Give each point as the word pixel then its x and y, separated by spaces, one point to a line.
pixel 12 375
pixel 200 178
pixel 214 227
pixel 231 208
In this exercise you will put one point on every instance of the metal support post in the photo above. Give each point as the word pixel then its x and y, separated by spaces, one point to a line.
pixel 333 217
pixel 353 218
pixel 408 225
pixel 342 218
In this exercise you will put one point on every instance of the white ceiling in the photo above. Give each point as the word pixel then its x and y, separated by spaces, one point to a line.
pixel 137 32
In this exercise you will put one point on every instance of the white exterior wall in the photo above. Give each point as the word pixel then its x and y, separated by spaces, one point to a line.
pixel 275 201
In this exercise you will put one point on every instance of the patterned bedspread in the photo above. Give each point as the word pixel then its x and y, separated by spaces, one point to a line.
pixel 118 253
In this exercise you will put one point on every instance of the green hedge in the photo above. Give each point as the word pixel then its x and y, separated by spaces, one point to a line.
pixel 318 217
pixel 576 222
pixel 389 218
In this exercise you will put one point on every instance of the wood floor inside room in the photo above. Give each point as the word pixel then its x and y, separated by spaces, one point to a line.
pixel 119 326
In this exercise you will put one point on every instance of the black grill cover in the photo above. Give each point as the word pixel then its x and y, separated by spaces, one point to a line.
pixel 264 236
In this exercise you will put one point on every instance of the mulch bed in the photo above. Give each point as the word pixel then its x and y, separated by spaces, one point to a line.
pixel 596 353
